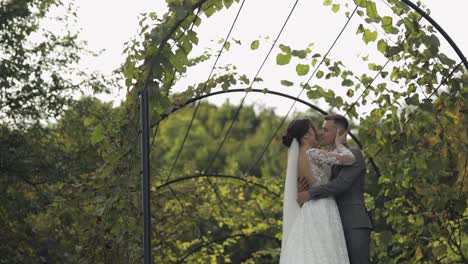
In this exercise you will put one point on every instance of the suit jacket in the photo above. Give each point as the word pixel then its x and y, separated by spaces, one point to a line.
pixel 347 186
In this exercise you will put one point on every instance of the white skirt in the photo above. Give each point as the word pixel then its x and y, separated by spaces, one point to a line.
pixel 316 236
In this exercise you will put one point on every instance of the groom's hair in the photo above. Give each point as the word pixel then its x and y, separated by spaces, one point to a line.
pixel 340 121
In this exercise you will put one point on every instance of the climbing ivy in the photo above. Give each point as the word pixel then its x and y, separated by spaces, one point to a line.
pixel 414 132
pixel 75 185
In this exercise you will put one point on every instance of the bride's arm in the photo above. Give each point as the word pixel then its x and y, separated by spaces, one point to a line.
pixel 340 156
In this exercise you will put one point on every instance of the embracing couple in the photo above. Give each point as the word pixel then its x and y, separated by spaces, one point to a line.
pixel 324 217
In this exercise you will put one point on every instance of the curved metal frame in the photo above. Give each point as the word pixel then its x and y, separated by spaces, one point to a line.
pixel 316 108
pixel 215 175
pixel 408 3
pixel 147 251
pixel 439 28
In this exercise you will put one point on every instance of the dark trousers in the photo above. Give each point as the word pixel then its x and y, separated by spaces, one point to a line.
pixel 358 241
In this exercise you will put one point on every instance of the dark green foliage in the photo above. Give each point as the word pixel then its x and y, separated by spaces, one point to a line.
pixel 38 66
pixel 71 190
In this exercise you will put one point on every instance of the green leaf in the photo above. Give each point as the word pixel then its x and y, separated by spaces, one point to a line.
pixel 313 95
pixel 197 21
pixel 327 2
pixel 314 61
pixel 187 46
pixel 88 121
pixel 218 4
pixel 302 54
pixel 406 181
pixel 192 36
pixel 360 29
pixel 225 86
pixel 350 93
pixel 335 8
pixel 382 46
pixel 179 60
pixel 434 44
pixel 181 12
pixel 254 45
pixel 302 69
pixel 244 79
pixel 285 49
pixel 387 25
pixel 97 135
pixel 393 50
pixel 286 83
pixel 347 83
pixel 210 11
pixel 227 45
pixel 413 100
pixel 446 60
pixel 361 3
pixel 369 36
pixel 429 89
pixel 371 10
pixel 411 88
pixel 283 59
pixel 319 74
pixel 439 251
pixel 227 3
pixel 316 55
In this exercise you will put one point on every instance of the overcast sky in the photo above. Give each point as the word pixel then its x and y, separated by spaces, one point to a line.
pixel 108 24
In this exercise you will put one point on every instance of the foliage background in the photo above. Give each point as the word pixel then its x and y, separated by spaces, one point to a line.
pixel 70 167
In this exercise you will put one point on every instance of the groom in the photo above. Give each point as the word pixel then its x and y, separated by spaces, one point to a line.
pixel 347 186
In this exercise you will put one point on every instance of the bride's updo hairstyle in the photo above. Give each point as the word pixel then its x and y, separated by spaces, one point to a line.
pixel 297 129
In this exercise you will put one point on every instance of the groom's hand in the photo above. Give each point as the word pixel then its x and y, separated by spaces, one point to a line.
pixel 303 184
pixel 303 197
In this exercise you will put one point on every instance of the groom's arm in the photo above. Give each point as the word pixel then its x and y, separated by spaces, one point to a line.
pixel 344 180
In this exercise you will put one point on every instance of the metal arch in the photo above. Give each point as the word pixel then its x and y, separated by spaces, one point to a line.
pixel 215 175
pixel 439 28
pixel 316 108
pixel 147 250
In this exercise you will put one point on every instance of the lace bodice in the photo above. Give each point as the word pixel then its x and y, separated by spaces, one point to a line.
pixel 321 161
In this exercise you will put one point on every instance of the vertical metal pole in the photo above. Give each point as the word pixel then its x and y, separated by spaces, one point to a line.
pixel 143 99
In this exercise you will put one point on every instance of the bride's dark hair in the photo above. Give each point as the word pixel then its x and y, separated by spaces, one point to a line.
pixel 297 129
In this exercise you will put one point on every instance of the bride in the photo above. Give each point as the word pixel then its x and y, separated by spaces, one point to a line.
pixel 312 232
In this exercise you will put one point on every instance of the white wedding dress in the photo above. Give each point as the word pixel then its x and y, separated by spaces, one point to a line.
pixel 313 233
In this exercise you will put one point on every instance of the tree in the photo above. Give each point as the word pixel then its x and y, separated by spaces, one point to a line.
pixel 39 71
pixel 72 188
pixel 39 79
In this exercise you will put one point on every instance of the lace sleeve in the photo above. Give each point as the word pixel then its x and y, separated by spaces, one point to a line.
pixel 340 156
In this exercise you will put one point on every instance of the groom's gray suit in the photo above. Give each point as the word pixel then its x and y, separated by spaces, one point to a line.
pixel 347 186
